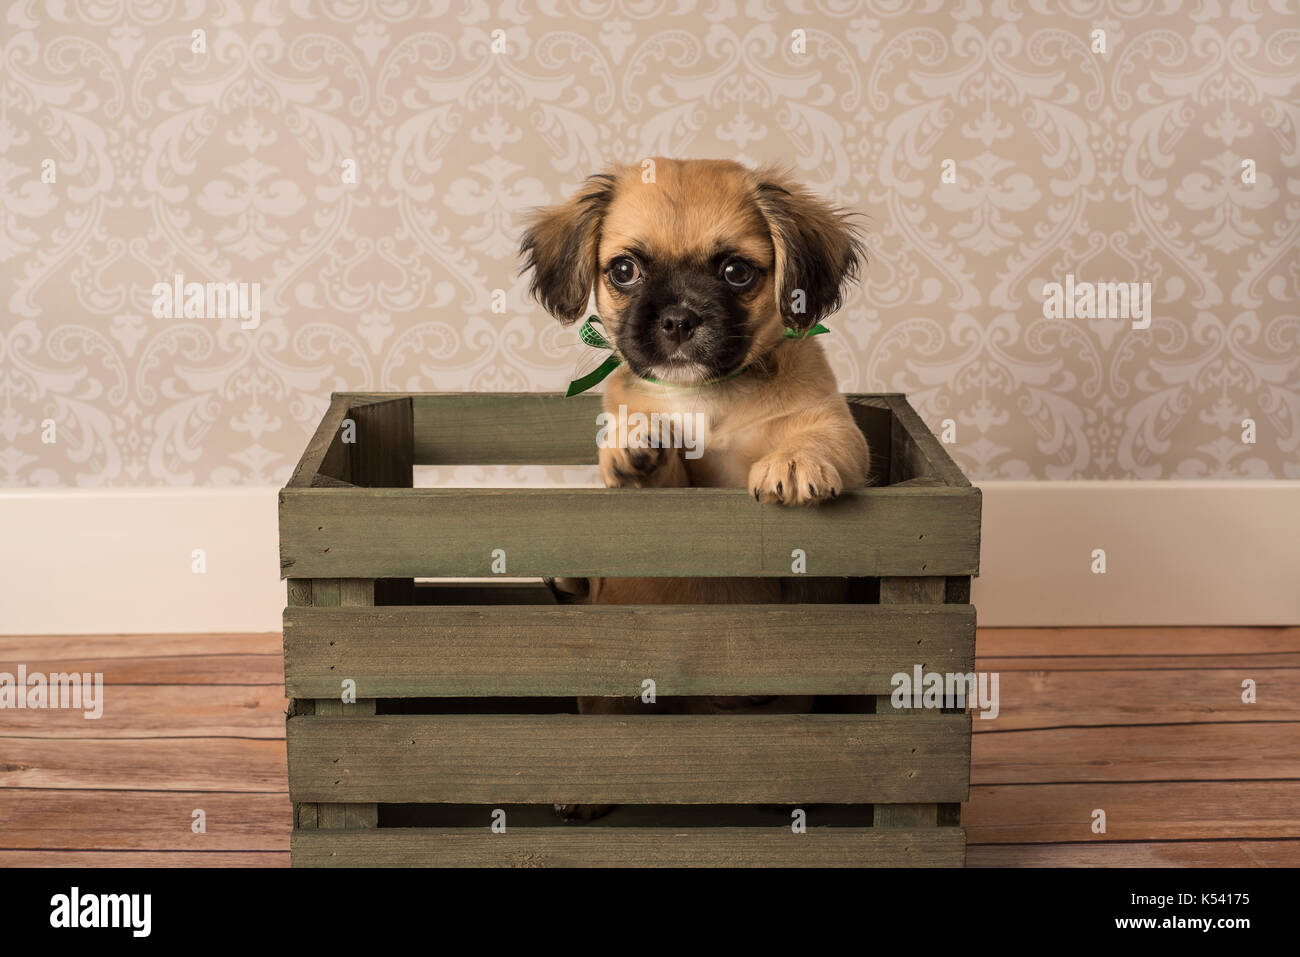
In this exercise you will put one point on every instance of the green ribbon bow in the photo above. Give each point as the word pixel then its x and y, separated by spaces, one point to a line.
pixel 589 334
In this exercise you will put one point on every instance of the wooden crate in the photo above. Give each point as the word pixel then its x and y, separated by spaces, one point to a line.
pixel 465 691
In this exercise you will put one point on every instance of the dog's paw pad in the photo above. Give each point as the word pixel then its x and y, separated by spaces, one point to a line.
pixel 630 467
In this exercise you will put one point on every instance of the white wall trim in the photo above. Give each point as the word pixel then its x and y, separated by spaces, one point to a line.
pixel 1177 553
pixel 117 561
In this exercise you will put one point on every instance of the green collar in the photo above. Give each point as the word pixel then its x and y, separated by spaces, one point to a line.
pixel 588 334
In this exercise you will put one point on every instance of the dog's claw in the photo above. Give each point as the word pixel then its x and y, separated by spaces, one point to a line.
pixel 791 479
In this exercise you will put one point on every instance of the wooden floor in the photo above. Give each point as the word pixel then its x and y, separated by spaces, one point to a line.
pixel 1146 725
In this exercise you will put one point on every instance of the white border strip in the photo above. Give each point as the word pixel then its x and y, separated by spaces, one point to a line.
pixel 1177 553
pixel 118 561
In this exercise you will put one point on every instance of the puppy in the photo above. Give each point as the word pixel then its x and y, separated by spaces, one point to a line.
pixel 707 281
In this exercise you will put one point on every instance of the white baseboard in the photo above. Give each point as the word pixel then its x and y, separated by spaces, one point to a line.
pixel 118 561
pixel 1177 553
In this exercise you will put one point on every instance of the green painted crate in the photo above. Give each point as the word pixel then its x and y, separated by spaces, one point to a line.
pixel 465 690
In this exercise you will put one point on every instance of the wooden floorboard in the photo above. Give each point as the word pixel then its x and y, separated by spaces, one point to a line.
pixel 1151 854
pixel 78 820
pixel 1145 724
pixel 185 859
pixel 1106 642
pixel 144 764
pixel 1184 752
pixel 1171 811
pixel 1052 699
pixel 217 669
pixel 1141 663
pixel 162 711
pixel 152 659
pixel 69 647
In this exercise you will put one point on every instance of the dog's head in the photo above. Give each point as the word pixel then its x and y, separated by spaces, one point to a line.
pixel 698 269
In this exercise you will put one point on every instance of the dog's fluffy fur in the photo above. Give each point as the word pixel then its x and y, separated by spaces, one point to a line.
pixel 781 428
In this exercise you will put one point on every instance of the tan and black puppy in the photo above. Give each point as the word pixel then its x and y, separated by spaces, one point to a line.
pixel 697 277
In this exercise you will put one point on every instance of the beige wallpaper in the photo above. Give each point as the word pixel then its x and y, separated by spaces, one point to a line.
pixel 362 166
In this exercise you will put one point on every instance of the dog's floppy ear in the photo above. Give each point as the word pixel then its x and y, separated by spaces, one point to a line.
pixel 818 250
pixel 560 245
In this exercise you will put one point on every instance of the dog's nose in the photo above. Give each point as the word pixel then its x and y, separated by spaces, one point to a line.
pixel 678 323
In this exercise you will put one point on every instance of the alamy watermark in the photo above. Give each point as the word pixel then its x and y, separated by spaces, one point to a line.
pixel 657 430
pixel 933 689
pixel 81 691
pixel 1098 300
pixel 75 909
pixel 208 300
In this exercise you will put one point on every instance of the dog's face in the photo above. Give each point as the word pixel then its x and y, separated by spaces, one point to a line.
pixel 696 273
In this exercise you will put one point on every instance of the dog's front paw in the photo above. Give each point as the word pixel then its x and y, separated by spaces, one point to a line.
pixel 636 467
pixel 794 479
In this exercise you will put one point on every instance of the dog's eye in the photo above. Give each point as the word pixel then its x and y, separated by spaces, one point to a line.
pixel 738 273
pixel 624 271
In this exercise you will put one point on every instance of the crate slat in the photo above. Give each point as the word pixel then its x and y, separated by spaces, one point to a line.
pixel 548 428
pixel 630 847
pixel 505 429
pixel 662 759
pixel 699 532
pixel 523 650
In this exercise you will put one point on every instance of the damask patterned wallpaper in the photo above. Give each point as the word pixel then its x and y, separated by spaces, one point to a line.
pixel 363 165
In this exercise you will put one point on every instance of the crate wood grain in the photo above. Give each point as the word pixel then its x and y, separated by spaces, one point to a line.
pixel 698 532
pixel 375 449
pixel 505 429
pixel 363 522
pixel 660 759
pixel 910 592
pixel 914 450
pixel 532 428
pixel 631 847
pixel 354 536
pixel 453 651
pixel 329 593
